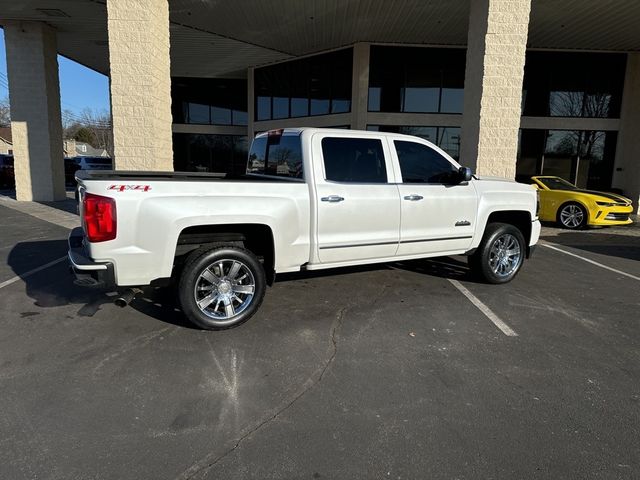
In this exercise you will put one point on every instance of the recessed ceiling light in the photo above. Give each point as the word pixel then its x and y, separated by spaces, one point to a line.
pixel 52 12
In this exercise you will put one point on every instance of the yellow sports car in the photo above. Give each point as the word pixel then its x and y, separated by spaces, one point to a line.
pixel 570 207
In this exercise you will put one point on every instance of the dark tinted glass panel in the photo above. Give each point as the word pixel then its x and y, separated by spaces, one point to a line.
pixel 280 107
pixel 582 157
pixel 299 107
pixel 358 160
pixel 197 113
pixel 567 84
pixel 263 108
pixel 209 101
pixel 220 116
pixel 239 117
pixel 316 85
pixel 284 156
pixel 422 164
pixel 447 138
pixel 209 153
pixel 410 79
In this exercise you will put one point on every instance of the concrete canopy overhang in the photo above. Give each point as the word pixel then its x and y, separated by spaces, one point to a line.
pixel 212 38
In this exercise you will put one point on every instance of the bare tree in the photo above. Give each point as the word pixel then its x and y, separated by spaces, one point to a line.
pixel 100 128
pixel 5 112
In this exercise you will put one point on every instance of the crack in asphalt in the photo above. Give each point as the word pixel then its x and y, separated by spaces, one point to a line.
pixel 337 323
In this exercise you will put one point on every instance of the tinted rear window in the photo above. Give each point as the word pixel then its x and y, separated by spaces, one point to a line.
pixel 277 155
pixel 354 160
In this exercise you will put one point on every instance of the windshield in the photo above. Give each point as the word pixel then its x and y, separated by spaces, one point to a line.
pixel 556 183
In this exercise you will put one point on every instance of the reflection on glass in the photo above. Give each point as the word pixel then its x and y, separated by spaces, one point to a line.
pixel 315 85
pixel 374 99
pixel 582 157
pixel 208 101
pixel 280 107
pixel 563 84
pixel 198 113
pixel 447 138
pixel 220 116
pixel 239 118
pixel 299 107
pixel 263 110
pixel 339 105
pixel 414 79
pixel 452 100
pixel 209 153
pixel 421 99
pixel 319 106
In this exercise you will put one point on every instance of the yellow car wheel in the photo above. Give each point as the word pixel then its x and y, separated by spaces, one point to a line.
pixel 572 215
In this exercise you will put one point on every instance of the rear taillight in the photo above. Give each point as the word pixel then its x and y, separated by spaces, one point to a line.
pixel 99 217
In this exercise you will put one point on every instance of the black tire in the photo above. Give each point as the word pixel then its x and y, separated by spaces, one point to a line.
pixel 485 258
pixel 204 264
pixel 572 216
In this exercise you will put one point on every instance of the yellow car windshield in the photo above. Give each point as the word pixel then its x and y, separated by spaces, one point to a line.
pixel 556 183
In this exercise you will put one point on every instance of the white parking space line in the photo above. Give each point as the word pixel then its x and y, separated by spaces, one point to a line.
pixel 497 321
pixel 619 272
pixel 31 272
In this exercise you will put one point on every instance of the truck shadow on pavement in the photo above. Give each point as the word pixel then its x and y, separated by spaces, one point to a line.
pixel 454 268
pixel 54 287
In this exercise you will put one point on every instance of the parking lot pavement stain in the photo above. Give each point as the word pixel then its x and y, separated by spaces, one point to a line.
pixel 202 466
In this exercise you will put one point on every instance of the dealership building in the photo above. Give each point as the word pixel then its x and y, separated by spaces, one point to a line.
pixel 511 88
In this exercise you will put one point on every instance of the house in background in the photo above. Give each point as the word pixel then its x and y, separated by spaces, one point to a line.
pixel 73 148
pixel 6 143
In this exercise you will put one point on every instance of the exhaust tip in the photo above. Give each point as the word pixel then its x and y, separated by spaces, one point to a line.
pixel 126 298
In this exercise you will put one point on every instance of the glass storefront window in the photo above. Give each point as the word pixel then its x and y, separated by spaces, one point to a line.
pixel 210 153
pixel 209 101
pixel 417 80
pixel 317 85
pixel 582 157
pixel 567 84
pixel 447 138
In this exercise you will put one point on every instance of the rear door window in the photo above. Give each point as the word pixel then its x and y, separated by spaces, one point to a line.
pixel 354 160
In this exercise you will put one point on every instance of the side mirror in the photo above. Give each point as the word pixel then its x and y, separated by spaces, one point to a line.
pixel 535 185
pixel 465 174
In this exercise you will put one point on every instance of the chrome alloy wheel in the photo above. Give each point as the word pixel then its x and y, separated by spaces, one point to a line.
pixel 504 255
pixel 224 290
pixel 571 216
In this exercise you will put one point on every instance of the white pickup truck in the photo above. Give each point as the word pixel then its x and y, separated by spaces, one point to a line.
pixel 310 199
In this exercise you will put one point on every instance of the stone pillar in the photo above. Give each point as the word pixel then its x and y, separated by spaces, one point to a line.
pixel 496 46
pixel 140 84
pixel 360 86
pixel 627 172
pixel 36 125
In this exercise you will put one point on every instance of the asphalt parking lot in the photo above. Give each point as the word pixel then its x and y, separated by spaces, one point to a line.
pixel 400 371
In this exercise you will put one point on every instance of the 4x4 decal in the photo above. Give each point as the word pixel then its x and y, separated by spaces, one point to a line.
pixel 122 188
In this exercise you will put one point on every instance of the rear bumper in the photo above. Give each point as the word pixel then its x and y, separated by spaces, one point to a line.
pixel 87 272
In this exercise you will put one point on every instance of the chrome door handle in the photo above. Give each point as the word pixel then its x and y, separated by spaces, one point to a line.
pixel 332 198
pixel 413 197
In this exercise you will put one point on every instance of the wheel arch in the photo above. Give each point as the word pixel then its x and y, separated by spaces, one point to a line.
pixel 521 219
pixel 256 237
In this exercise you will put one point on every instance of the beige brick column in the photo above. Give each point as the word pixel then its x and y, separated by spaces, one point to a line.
pixel 627 173
pixel 34 95
pixel 140 84
pixel 496 46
